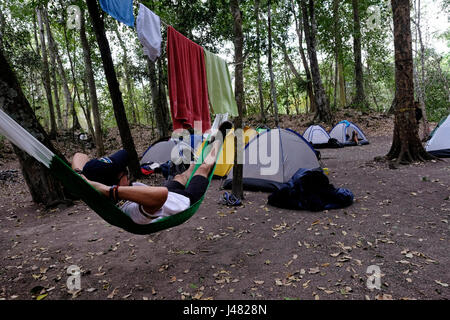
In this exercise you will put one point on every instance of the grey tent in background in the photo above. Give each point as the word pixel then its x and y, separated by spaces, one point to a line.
pixel 317 136
pixel 343 131
pixel 167 149
pixel 439 144
pixel 272 158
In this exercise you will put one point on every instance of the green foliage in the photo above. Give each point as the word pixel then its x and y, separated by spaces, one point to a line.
pixel 210 24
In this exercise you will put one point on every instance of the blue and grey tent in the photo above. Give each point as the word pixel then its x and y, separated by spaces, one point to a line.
pixel 343 132
pixel 272 158
pixel 439 144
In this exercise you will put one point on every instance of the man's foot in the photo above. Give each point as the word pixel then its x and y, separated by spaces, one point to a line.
pixel 223 129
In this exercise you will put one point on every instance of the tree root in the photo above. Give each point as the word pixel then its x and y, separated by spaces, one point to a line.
pixel 406 157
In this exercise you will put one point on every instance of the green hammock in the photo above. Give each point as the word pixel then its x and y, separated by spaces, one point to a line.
pixel 80 187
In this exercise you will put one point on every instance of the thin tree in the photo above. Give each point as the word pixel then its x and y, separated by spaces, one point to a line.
pixel 69 101
pixel 273 90
pixel 51 49
pixel 72 63
pixel 339 72
pixel 321 100
pixel 128 80
pixel 360 97
pixel 92 88
pixel 420 83
pixel 114 89
pixel 237 185
pixel 46 73
pixel 406 145
pixel 159 100
pixel 309 86
pixel 258 63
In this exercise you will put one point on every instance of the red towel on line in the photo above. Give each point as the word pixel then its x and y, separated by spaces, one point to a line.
pixel 188 88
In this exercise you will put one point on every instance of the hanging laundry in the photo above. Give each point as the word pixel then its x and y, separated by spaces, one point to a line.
pixel 148 27
pixel 121 10
pixel 188 89
pixel 220 92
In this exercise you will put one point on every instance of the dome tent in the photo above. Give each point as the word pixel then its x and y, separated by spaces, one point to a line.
pixel 168 149
pixel 439 144
pixel 318 137
pixel 343 131
pixel 272 158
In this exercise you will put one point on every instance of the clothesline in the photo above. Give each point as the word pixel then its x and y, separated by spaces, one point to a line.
pixel 193 72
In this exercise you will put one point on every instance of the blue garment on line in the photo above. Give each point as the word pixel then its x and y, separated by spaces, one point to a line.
pixel 121 10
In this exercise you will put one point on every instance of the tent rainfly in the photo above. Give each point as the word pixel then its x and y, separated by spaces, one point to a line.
pixel 318 137
pixel 343 132
pixel 272 158
pixel 439 144
pixel 167 149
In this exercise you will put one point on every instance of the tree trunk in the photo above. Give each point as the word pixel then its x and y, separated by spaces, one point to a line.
pixel 309 86
pixel 360 97
pixel 92 88
pixel 339 77
pixel 53 68
pixel 321 101
pixel 127 76
pixel 237 185
pixel 46 74
pixel 44 188
pixel 51 49
pixel 160 109
pixel 76 123
pixel 406 146
pixel 258 63
pixel 273 90
pixel 2 28
pixel 114 90
pixel 421 83
pixel 62 74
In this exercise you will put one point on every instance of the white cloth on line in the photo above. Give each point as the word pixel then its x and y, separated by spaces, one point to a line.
pixel 148 27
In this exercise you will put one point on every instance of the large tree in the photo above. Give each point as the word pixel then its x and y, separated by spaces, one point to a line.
pixel 113 86
pixel 406 146
pixel 44 188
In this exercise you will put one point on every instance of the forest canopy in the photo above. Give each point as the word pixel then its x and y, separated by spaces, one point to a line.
pixel 28 28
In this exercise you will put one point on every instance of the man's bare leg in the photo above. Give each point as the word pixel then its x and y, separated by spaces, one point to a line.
pixel 79 160
pixel 209 161
pixel 184 177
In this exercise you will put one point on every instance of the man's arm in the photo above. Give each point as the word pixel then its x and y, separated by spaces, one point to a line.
pixel 151 198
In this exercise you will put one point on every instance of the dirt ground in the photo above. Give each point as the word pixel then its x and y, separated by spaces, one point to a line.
pixel 399 223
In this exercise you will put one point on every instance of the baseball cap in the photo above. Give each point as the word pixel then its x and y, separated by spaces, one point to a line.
pixel 106 170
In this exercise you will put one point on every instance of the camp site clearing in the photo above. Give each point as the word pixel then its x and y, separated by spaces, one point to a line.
pixel 399 222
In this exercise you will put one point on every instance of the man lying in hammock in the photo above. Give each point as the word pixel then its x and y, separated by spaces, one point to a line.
pixel 145 204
